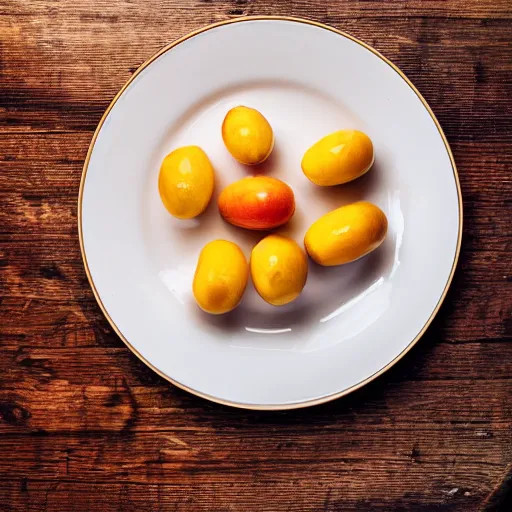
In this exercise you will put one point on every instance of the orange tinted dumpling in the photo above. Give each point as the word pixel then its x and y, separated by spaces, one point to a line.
pixel 257 202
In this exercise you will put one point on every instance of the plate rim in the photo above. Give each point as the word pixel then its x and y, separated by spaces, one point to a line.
pixel 304 403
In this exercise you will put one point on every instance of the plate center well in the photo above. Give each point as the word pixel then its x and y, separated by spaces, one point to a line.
pixel 356 294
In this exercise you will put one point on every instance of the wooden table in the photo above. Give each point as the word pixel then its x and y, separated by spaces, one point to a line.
pixel 85 426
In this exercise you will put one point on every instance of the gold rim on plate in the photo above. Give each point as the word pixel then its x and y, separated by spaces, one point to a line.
pixel 294 405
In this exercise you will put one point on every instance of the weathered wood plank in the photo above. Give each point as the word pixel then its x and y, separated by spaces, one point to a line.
pixel 112 402
pixel 255 492
pixel 108 366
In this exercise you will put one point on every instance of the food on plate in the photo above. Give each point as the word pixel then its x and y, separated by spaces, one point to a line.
pixel 346 234
pixel 257 202
pixel 247 135
pixel 278 266
pixel 221 277
pixel 338 158
pixel 186 182
pixel 279 269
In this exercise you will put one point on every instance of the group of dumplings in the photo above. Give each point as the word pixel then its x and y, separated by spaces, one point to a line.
pixel 278 265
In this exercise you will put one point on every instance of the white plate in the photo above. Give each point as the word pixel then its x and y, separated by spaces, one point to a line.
pixel 352 322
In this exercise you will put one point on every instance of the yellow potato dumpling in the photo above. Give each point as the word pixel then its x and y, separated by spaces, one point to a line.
pixel 221 276
pixel 338 158
pixel 186 182
pixel 279 269
pixel 346 234
pixel 247 135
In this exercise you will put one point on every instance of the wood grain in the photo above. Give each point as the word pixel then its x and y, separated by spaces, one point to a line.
pixel 85 426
